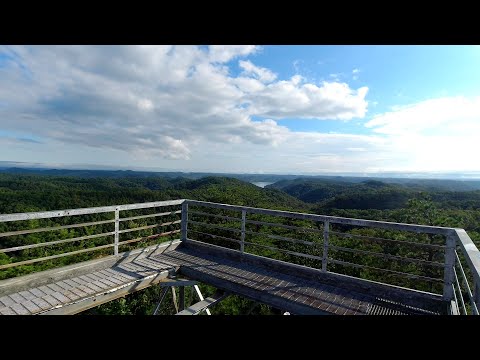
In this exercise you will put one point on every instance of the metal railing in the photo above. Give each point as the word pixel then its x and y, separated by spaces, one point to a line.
pixel 427 258
pixel 429 254
pixel 113 215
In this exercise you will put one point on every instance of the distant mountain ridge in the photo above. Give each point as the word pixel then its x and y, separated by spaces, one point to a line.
pixel 375 194
pixel 438 184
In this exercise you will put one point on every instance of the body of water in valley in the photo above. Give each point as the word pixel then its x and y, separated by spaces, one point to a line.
pixel 262 184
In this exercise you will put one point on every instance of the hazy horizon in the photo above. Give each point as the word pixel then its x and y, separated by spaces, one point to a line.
pixel 86 167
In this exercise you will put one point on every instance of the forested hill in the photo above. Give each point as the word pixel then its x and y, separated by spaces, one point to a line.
pixel 23 193
pixel 448 184
pixel 370 199
pixel 374 194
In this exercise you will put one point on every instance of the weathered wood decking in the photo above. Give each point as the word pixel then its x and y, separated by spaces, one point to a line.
pixel 75 288
pixel 289 287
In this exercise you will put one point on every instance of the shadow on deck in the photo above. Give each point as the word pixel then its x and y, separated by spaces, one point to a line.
pixel 290 287
pixel 283 285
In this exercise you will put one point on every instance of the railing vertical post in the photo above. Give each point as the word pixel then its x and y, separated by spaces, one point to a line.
pixel 448 272
pixel 242 235
pixel 181 298
pixel 476 294
pixel 117 229
pixel 184 220
pixel 326 226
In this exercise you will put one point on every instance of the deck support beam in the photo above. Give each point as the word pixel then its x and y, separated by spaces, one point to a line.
pixel 197 308
pixel 326 226
pixel 164 293
pixel 181 298
pixel 448 272
pixel 200 296
pixel 184 228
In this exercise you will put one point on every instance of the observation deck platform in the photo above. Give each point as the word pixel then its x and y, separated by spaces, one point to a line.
pixel 293 287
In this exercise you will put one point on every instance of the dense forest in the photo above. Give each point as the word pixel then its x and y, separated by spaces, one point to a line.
pixel 423 202
pixel 452 182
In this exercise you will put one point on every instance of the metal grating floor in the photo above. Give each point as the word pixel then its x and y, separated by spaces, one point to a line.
pixel 296 294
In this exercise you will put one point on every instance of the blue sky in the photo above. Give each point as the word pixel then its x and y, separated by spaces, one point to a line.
pixel 395 75
pixel 264 109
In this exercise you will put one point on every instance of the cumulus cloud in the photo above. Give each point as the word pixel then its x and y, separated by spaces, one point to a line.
pixel 435 134
pixel 262 74
pixel 291 98
pixel 447 115
pixel 157 101
pixel 225 53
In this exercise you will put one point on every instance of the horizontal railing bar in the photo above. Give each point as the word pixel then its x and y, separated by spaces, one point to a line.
pixel 285 251
pixel 214 215
pixel 332 219
pixel 212 226
pixel 215 236
pixel 373 238
pixel 150 226
pixel 150 237
pixel 55 228
pixel 32 246
pixel 150 204
pixel 150 215
pixel 387 256
pixel 412 276
pixel 85 211
pixel 467 286
pixel 283 226
pixel 459 291
pixel 31 261
pixel 277 237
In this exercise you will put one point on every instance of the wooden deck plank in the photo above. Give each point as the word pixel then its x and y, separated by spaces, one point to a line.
pixel 51 300
pixel 112 278
pixel 119 274
pixel 42 304
pixel 17 298
pixel 89 283
pixel 79 284
pixel 27 295
pixel 87 286
pixel 7 300
pixel 102 279
pixel 7 311
pixel 20 309
pixel 31 307
pixel 38 293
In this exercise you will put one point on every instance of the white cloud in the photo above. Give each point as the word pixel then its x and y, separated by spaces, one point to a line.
pixel 449 115
pixel 145 104
pixel 179 107
pixel 291 98
pixel 157 102
pixel 262 74
pixel 433 135
pixel 355 73
pixel 225 53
